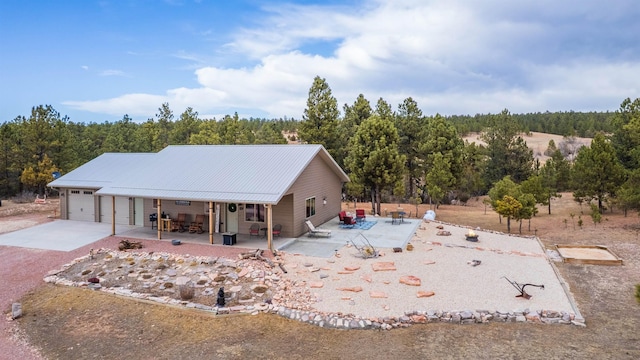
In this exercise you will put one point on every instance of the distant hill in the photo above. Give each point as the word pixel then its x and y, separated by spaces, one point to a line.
pixel 539 142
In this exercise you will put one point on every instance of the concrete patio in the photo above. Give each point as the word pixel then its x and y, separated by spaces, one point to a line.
pixel 383 234
pixel 67 235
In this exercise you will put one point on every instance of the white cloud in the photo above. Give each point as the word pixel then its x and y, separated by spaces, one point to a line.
pixel 452 57
pixel 111 72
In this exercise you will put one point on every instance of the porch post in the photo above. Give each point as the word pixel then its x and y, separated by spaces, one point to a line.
pixel 210 222
pixel 113 215
pixel 159 214
pixel 269 227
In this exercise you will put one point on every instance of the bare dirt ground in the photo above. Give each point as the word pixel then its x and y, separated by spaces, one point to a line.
pixel 74 323
pixel 537 142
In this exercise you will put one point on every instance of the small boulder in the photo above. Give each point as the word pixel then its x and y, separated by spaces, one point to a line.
pixel 422 294
pixel 384 266
pixel 16 310
pixel 352 289
pixel 410 280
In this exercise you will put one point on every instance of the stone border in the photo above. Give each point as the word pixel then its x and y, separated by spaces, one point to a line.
pixel 333 320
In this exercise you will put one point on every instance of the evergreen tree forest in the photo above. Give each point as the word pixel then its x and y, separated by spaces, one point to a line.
pixel 392 154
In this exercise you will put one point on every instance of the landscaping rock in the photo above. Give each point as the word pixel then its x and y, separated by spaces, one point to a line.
pixel 410 280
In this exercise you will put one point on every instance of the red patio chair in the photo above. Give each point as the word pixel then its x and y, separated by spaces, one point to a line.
pixel 348 221
pixel 276 230
pixel 341 216
pixel 254 230
pixel 360 215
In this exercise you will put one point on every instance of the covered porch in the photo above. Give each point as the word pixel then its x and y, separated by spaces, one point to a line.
pixel 242 240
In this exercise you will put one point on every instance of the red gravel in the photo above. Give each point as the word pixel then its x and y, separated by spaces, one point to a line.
pixel 23 269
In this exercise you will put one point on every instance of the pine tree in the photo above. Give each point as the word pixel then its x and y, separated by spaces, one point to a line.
pixel 319 123
pixel 374 160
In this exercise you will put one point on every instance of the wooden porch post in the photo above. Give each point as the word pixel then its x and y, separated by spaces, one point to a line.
pixel 269 227
pixel 210 222
pixel 113 215
pixel 159 214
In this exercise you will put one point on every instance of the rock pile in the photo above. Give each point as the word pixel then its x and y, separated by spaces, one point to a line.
pixel 250 286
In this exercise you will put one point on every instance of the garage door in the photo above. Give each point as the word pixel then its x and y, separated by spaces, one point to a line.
pixel 122 210
pixel 81 205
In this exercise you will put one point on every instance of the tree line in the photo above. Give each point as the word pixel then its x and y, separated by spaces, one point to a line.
pixel 390 154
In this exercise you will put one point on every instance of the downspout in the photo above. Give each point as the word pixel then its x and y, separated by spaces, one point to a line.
pixel 159 216
pixel 210 222
pixel 113 215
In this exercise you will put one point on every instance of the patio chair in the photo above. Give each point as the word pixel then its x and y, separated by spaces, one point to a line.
pixel 196 226
pixel 254 230
pixel 313 231
pixel 178 224
pixel 360 215
pixel 276 230
pixel 341 216
pixel 395 217
pixel 348 222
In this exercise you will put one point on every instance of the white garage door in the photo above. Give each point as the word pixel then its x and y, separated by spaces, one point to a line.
pixel 122 210
pixel 81 205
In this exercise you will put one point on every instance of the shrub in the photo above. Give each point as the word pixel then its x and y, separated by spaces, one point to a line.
pixel 24 197
pixel 187 291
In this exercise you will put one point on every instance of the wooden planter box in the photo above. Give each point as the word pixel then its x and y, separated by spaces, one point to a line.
pixel 588 254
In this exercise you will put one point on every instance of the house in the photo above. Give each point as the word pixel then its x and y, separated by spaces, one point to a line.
pixel 234 186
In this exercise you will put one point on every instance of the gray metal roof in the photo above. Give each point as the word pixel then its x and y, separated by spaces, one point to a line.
pixel 222 173
pixel 101 171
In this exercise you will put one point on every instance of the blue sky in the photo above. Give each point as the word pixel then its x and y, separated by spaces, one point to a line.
pixel 99 60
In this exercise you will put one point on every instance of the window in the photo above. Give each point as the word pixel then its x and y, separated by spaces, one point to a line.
pixel 254 212
pixel 155 203
pixel 311 206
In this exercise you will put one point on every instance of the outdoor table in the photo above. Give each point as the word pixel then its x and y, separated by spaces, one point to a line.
pixel 165 224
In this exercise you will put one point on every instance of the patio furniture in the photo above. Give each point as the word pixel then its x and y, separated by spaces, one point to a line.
pixel 360 215
pixel 196 226
pixel 165 224
pixel 254 230
pixel 395 218
pixel 313 231
pixel 348 222
pixel 276 230
pixel 178 224
pixel 341 216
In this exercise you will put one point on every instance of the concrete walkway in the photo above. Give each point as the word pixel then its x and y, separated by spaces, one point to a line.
pixel 68 235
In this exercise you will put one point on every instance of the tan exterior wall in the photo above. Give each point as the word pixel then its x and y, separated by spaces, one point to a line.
pixel 320 181
pixel 64 205
pixel 283 215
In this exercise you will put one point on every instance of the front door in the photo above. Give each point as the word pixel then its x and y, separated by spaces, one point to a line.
pixel 138 211
pixel 232 218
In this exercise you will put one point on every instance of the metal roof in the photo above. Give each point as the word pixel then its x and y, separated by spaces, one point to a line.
pixel 222 173
pixel 101 171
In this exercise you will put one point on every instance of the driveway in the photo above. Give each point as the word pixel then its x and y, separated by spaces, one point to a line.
pixel 61 235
